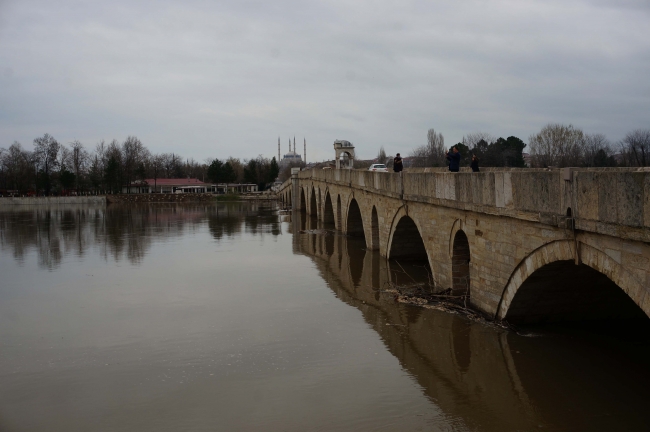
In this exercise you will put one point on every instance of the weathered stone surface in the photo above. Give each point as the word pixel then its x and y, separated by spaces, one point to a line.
pixel 514 221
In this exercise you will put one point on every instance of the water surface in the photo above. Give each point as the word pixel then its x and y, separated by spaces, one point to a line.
pixel 230 316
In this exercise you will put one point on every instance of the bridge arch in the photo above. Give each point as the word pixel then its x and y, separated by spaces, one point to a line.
pixel 406 241
pixel 313 207
pixel 548 286
pixel 374 229
pixel 460 264
pixel 354 223
pixel 303 201
pixel 339 226
pixel 328 209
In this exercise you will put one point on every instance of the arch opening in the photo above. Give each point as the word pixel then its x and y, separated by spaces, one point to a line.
pixel 303 201
pixel 313 208
pixel 407 249
pixel 460 265
pixel 374 229
pixel 407 242
pixel 564 292
pixel 355 222
pixel 328 212
pixel 338 212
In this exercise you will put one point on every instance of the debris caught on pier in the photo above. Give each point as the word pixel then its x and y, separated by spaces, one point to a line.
pixel 424 295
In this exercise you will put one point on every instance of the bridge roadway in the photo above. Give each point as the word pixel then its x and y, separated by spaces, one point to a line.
pixel 528 245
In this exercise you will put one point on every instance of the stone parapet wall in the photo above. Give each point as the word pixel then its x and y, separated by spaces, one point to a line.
pixel 613 201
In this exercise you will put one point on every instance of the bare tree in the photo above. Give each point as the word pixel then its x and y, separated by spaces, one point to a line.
pixel 113 170
pixel 237 167
pixel 381 156
pixel 46 149
pixel 156 167
pixel 557 145
pixel 635 147
pixel 431 154
pixel 597 151
pixel 16 166
pixel 79 158
pixel 133 153
pixel 472 139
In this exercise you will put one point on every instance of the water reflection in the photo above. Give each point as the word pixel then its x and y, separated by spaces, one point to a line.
pixel 485 378
pixel 122 232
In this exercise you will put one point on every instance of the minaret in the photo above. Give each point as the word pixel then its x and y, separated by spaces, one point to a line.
pixel 294 143
pixel 305 149
pixel 278 149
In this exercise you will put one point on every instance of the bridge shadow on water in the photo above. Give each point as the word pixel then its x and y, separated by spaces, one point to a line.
pixel 561 377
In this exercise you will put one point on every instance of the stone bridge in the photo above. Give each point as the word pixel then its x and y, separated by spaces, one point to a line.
pixel 527 245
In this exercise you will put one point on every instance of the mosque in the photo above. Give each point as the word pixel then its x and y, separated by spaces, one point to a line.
pixel 292 157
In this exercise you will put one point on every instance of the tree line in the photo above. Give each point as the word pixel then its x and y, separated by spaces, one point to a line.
pixel 556 145
pixel 55 168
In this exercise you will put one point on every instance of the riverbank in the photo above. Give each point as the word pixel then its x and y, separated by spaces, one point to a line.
pixel 130 198
pixel 52 201
pixel 182 198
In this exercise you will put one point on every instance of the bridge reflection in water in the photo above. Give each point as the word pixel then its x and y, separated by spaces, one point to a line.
pixel 492 379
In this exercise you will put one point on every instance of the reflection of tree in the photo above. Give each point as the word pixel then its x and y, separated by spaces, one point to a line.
pixel 122 231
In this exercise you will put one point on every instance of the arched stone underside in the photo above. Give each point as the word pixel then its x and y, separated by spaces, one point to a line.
pixel 460 264
pixel 406 242
pixel 547 286
pixel 328 210
pixel 313 207
pixel 303 201
pixel 374 228
pixel 338 213
pixel 355 222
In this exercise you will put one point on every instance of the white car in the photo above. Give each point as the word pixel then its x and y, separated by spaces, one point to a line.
pixel 378 167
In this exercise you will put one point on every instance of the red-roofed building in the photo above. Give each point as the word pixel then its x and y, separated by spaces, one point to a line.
pixel 186 185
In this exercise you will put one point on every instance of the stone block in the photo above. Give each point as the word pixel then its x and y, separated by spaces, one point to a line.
pixel 630 198
pixel 586 189
pixel 607 197
pixel 488 192
pixel 499 198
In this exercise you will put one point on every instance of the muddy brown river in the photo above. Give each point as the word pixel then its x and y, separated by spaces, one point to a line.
pixel 233 317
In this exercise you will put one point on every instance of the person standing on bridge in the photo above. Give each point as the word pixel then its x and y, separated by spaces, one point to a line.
pixel 474 164
pixel 398 166
pixel 453 156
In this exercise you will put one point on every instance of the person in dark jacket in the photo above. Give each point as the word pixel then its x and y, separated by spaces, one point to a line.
pixel 454 160
pixel 474 164
pixel 397 163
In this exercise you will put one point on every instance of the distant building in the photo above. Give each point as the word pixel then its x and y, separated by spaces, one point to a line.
pixel 292 158
pixel 344 151
pixel 187 185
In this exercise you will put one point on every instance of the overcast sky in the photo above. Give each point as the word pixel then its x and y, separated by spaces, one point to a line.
pixel 219 78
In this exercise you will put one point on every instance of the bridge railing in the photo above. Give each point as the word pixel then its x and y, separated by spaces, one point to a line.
pixel 612 195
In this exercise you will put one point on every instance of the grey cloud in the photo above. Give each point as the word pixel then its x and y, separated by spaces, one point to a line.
pixel 213 79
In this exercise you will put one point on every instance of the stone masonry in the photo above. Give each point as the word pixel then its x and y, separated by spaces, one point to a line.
pixel 514 221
